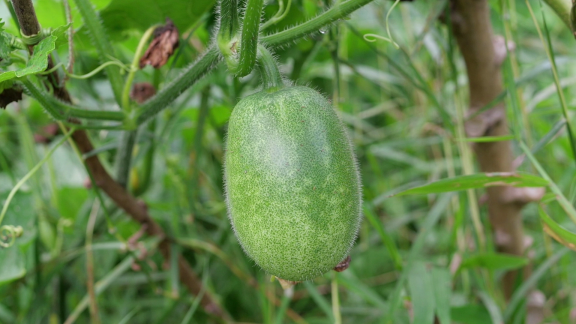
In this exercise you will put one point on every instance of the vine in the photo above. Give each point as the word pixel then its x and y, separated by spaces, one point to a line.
pixel 281 14
pixel 271 77
pixel 62 111
pixel 209 60
pixel 373 37
pixel 249 39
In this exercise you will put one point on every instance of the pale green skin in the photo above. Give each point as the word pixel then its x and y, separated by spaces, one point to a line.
pixel 292 187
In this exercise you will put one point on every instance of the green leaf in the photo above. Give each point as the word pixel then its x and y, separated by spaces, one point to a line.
pixel 11 264
pixel 557 232
pixel 349 280
pixel 442 282
pixel 7 76
pixel 70 200
pixel 494 261
pixel 39 60
pixel 486 139
pixel 492 306
pixel 438 210
pixel 61 34
pixel 479 180
pixel 5 47
pixel 528 284
pixel 6 85
pixel 319 299
pixel 386 239
pixel 423 304
pixel 51 14
pixel 471 314
pixel 37 63
pixel 121 15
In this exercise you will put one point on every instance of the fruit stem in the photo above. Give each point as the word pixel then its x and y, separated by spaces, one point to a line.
pixel 271 76
pixel 240 58
pixel 228 35
pixel 249 40
pixel 229 24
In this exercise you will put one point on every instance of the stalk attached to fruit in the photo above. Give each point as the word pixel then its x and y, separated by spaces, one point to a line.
pixel 239 48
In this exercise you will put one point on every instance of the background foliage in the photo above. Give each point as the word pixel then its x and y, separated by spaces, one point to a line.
pixel 404 111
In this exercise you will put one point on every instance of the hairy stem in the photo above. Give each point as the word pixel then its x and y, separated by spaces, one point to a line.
pixel 207 62
pixel 62 111
pixel 271 77
pixel 249 40
pixel 172 90
pixel 229 25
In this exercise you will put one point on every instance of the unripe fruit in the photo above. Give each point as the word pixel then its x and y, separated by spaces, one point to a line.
pixel 292 187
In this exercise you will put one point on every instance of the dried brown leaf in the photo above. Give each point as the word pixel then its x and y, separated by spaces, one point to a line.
pixel 9 96
pixel 162 46
pixel 142 91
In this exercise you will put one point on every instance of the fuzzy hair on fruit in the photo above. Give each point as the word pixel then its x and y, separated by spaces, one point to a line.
pixel 292 184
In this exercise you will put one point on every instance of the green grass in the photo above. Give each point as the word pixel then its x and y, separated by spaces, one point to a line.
pixel 404 110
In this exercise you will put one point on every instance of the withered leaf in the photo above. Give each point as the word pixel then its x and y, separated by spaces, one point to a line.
pixel 142 91
pixel 343 265
pixel 10 95
pixel 162 46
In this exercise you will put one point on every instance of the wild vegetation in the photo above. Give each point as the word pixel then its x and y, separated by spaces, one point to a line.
pixel 113 129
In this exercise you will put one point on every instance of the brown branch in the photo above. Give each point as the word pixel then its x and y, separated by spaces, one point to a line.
pixel 26 15
pixel 138 211
pixel 483 55
pixel 135 209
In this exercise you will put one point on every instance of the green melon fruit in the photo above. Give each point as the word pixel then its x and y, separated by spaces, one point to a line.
pixel 292 187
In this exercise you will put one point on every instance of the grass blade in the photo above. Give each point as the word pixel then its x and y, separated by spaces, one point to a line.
pixel 475 181
pixel 528 284
pixel 557 232
pixel 423 305
pixel 442 282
